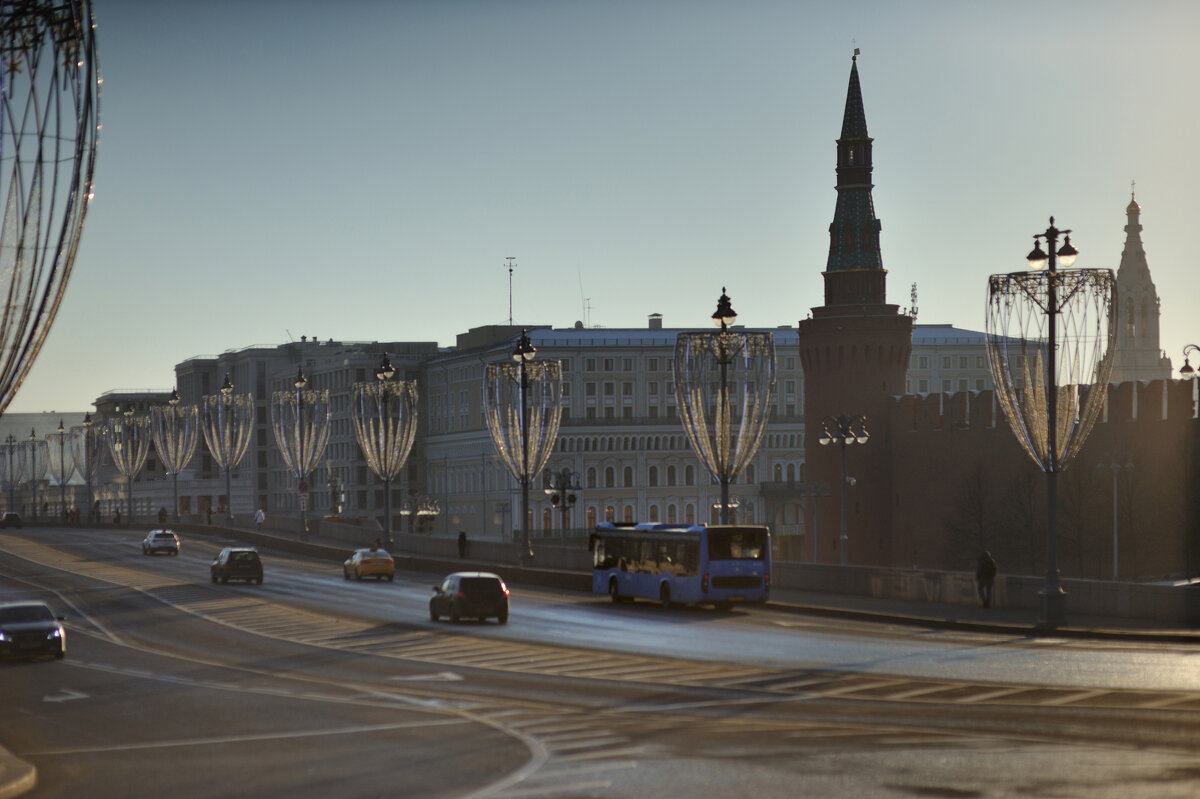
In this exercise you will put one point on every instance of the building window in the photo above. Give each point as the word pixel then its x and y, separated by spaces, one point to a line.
pixel 610 389
pixel 608 364
pixel 610 515
pixel 689 476
pixel 628 513
pixel 591 517
pixel 923 362
pixel 670 514
pixel 670 475
pixel 589 389
pixel 962 384
pixel 978 361
pixel 946 386
pixel 629 477
pixel 652 364
pixel 945 361
pixel 610 477
pixel 627 412
pixel 591 477
pixel 962 362
pixel 609 413
pixel 627 364
pixel 979 384
pixel 627 389
pixel 589 413
pixel 922 387
pixel 652 476
pixel 653 513
pixel 653 411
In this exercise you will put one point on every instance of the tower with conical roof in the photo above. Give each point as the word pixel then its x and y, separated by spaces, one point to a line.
pixel 855 351
pixel 1137 354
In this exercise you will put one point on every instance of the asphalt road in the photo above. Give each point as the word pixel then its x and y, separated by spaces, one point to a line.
pixel 311 685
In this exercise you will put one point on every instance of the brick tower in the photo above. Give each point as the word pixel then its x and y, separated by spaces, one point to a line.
pixel 854 350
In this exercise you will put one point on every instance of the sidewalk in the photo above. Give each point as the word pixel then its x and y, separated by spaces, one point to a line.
pixel 998 620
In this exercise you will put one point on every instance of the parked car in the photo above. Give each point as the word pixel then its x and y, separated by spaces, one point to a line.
pixel 160 541
pixel 10 519
pixel 237 563
pixel 28 629
pixel 370 562
pixel 472 595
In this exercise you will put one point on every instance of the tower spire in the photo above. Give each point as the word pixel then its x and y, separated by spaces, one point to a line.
pixel 854 273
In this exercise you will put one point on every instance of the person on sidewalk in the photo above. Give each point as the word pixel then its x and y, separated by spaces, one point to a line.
pixel 462 544
pixel 259 518
pixel 985 576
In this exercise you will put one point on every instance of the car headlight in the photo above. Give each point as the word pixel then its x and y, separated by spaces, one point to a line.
pixel 3 637
pixel 55 633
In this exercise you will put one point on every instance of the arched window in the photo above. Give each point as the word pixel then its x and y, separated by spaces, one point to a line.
pixel 610 515
pixel 671 514
pixel 689 514
pixel 610 477
pixel 652 476
pixel 791 472
pixel 653 513
pixel 591 477
pixel 545 518
pixel 591 516
pixel 670 475
pixel 628 514
pixel 628 477
pixel 779 473
pixel 689 475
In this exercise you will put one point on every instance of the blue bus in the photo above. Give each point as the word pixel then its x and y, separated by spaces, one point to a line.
pixel 692 564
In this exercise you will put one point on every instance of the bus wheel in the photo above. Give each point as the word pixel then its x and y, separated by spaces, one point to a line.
pixel 612 590
pixel 664 595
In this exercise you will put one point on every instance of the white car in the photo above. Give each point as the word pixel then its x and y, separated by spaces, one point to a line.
pixel 160 541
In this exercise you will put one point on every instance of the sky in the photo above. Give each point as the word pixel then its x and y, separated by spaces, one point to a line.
pixel 362 171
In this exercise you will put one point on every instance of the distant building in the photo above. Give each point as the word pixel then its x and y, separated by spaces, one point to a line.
pixel 1137 354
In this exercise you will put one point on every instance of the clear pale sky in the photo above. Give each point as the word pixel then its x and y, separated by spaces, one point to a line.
pixel 360 170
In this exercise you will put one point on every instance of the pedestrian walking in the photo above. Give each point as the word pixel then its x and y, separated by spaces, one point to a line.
pixel 985 576
pixel 260 517
pixel 462 544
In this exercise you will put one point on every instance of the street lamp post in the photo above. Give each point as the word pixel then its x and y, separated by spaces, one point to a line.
pixel 523 410
pixel 176 434
pixel 1115 466
pixel 37 460
pixel 844 430
pixel 128 437
pixel 1050 333
pixel 60 466
pixel 85 453
pixel 563 493
pixel 13 474
pixel 385 423
pixel 228 420
pixel 724 436
pixel 300 419
pixel 817 492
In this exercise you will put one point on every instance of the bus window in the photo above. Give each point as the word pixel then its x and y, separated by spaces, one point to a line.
pixel 736 545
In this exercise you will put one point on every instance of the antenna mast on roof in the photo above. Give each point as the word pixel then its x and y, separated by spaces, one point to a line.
pixel 511 267
pixel 585 302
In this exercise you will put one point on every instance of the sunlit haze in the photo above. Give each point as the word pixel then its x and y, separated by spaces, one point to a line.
pixel 361 170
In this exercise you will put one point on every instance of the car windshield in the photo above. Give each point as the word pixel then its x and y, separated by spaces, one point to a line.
pixel 248 556
pixel 23 613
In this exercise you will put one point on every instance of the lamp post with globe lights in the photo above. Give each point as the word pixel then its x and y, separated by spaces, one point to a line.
pixel 564 493
pixel 844 430
pixel 385 423
pixel 36 462
pixel 300 418
pixel 724 384
pixel 61 467
pixel 128 437
pixel 176 431
pixel 522 403
pixel 1049 336
pixel 85 454
pixel 227 419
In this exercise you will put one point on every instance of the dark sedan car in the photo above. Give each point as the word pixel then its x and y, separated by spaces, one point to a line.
pixel 237 563
pixel 471 595
pixel 10 519
pixel 29 629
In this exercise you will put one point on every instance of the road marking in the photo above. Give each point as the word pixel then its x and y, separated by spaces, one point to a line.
pixel 441 676
pixel 65 695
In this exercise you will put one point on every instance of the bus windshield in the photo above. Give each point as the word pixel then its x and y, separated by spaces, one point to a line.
pixel 737 544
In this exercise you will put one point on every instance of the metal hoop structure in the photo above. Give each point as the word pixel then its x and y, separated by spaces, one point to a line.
pixel 49 124
pixel 227 420
pixel 385 423
pixel 724 384
pixel 176 431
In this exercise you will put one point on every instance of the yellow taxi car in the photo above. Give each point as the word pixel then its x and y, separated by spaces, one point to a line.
pixel 369 562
